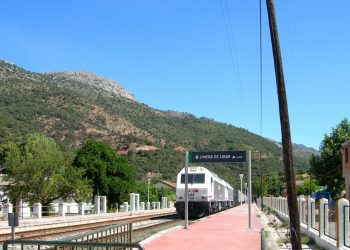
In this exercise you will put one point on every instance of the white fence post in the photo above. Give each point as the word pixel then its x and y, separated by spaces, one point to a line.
pixel 300 205
pixel 153 205
pixel 321 216
pixel 132 202
pixel 164 202
pixel 62 209
pixel 8 208
pixel 148 205
pixel 126 207
pixel 142 206
pixel 82 208
pixel 103 201
pixel 137 202
pixel 158 205
pixel 308 209
pixel 281 205
pixel 286 207
pixel 26 210
pixel 97 204
pixel 38 209
pixel 342 222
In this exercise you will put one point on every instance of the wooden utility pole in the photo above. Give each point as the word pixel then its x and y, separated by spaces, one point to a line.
pixel 285 128
pixel 261 186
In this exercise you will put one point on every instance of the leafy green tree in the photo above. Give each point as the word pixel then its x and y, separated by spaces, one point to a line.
pixel 275 185
pixel 327 167
pixel 110 173
pixel 155 193
pixel 38 171
pixel 307 188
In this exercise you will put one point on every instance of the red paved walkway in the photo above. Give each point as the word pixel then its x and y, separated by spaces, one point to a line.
pixel 225 230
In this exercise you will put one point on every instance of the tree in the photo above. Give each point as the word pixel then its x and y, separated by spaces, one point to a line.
pixel 111 174
pixel 307 188
pixel 327 167
pixel 38 171
pixel 155 193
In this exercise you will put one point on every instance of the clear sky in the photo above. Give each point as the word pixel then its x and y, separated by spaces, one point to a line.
pixel 200 57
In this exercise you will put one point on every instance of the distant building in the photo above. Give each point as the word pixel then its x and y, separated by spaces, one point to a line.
pixel 165 184
pixel 3 185
pixel 346 166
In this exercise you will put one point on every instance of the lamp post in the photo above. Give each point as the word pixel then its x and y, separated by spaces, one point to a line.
pixel 246 194
pixel 149 181
pixel 240 195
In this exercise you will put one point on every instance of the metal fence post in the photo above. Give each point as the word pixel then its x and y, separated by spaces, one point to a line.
pixel 312 213
pixel 321 216
pixel 342 222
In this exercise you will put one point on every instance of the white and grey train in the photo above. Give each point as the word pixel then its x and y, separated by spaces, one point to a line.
pixel 207 193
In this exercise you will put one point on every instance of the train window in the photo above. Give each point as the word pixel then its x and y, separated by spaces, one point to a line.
pixel 193 178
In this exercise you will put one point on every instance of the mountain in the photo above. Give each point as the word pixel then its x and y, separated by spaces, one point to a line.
pixel 94 81
pixel 72 107
pixel 301 155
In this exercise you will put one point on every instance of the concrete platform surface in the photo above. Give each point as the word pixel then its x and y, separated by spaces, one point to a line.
pixel 225 230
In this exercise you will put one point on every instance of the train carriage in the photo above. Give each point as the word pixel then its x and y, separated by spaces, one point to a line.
pixel 207 193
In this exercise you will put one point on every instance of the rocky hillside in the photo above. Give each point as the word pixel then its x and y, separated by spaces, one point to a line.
pixel 75 106
pixel 101 83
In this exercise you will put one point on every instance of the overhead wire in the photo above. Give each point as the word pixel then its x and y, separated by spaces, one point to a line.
pixel 261 73
pixel 233 55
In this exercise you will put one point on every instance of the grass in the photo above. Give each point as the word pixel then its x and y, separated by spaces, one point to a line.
pixel 306 240
pixel 285 224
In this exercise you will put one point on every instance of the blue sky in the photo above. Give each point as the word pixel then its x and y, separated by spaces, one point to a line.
pixel 179 55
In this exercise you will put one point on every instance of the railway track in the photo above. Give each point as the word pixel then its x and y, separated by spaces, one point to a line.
pixel 145 231
pixel 60 231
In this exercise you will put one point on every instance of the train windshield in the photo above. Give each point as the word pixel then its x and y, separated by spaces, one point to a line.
pixel 193 178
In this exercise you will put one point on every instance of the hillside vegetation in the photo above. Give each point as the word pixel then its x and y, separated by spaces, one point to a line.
pixel 73 107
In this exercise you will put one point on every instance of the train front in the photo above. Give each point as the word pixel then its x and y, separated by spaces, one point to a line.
pixel 198 192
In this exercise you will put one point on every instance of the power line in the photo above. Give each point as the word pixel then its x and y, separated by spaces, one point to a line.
pixel 232 52
pixel 261 74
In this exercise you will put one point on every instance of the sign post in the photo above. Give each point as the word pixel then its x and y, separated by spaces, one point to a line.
pixel 218 156
pixel 240 194
pixel 13 222
pixel 250 189
pixel 186 191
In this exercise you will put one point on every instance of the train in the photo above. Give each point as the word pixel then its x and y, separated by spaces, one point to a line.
pixel 207 193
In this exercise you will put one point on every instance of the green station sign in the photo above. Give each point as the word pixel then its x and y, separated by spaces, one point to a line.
pixel 217 156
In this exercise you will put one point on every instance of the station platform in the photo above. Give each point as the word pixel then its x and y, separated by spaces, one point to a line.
pixel 225 230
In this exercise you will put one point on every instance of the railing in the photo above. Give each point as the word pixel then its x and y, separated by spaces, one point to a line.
pixel 326 223
pixel 67 245
pixel 346 226
pixel 121 232
pixel 314 216
pixel 330 225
